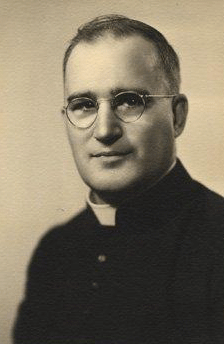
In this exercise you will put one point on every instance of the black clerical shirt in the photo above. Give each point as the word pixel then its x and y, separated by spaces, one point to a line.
pixel 156 278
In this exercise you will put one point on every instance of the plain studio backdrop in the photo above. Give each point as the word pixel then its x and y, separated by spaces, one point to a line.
pixel 40 186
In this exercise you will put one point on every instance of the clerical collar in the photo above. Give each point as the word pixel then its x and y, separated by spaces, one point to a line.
pixel 106 213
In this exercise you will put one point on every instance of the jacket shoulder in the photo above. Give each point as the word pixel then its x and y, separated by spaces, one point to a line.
pixel 206 218
pixel 211 203
pixel 71 227
pixel 64 239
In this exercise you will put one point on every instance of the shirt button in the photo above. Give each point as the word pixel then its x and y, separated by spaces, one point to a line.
pixel 95 285
pixel 102 258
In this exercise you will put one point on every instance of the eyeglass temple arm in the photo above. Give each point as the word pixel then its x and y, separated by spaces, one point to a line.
pixel 160 95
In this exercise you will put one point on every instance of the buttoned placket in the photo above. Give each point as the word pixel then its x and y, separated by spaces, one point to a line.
pixel 100 265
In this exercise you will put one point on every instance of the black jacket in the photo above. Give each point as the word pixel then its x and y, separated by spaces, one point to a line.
pixel 157 277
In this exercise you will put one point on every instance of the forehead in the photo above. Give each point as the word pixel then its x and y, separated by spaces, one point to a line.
pixel 114 62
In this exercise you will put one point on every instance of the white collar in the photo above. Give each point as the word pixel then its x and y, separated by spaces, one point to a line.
pixel 106 213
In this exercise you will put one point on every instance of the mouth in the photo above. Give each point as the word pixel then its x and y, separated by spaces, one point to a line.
pixel 109 154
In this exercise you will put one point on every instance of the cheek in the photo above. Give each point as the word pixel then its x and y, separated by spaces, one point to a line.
pixel 152 137
pixel 77 143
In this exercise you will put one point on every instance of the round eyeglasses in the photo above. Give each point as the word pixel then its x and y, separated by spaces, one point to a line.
pixel 127 106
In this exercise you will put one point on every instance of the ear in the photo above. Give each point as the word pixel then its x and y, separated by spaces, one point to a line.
pixel 180 110
pixel 63 113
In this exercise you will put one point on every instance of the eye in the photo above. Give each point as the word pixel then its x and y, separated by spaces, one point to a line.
pixel 81 104
pixel 128 100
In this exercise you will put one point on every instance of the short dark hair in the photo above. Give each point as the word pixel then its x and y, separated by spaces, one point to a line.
pixel 121 26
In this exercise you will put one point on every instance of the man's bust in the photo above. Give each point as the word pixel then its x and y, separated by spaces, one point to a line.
pixel 143 263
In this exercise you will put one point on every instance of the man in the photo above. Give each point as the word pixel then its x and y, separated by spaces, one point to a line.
pixel 143 263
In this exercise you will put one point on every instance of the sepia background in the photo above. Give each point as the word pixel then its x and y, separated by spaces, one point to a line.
pixel 39 183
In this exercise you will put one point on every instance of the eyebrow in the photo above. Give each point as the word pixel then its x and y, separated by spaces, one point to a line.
pixel 134 89
pixel 85 94
pixel 114 92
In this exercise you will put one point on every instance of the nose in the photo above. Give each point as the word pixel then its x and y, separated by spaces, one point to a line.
pixel 107 127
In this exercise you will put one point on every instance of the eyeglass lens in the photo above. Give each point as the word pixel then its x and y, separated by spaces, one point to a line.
pixel 127 106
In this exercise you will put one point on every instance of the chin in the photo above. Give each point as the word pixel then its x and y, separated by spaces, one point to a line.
pixel 110 187
pixel 119 187
pixel 121 182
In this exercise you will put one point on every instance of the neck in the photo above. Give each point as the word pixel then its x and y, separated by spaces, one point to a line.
pixel 108 197
pixel 115 198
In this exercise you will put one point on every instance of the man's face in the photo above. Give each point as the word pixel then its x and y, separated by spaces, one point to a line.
pixel 113 156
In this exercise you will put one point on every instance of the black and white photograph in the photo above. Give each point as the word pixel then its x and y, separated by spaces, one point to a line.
pixel 112 160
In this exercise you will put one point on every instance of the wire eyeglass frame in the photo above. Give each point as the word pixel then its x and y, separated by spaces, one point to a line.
pixel 128 119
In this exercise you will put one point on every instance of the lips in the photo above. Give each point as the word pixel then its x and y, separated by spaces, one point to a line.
pixel 110 154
